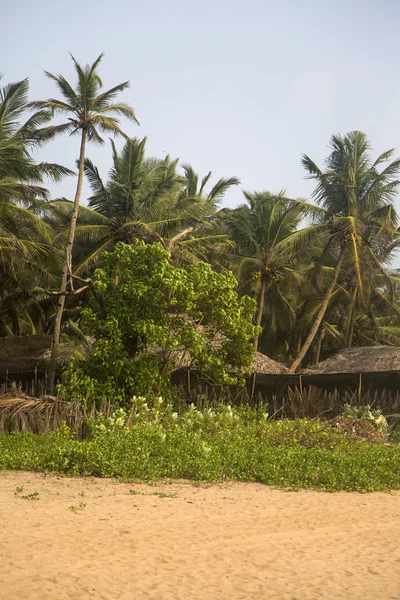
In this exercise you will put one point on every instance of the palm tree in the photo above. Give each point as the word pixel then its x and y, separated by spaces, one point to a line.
pixel 91 113
pixel 192 226
pixel 358 220
pixel 144 198
pixel 261 230
pixel 26 253
pixel 22 233
pixel 196 188
pixel 205 236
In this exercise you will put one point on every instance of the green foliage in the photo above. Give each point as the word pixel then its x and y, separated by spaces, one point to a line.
pixel 265 260
pixel 31 496
pixel 319 272
pixel 146 198
pixel 152 441
pixel 147 314
pixel 89 108
pixel 26 255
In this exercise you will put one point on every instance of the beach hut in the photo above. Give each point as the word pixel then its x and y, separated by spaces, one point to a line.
pixel 265 373
pixel 262 364
pixel 368 359
pixel 22 360
pixel 23 354
pixel 367 369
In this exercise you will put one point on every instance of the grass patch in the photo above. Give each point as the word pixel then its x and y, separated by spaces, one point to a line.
pixel 78 508
pixel 231 445
pixel 159 494
pixel 32 496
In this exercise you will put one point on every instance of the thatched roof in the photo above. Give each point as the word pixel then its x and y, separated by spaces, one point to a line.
pixel 22 354
pixel 359 360
pixel 261 363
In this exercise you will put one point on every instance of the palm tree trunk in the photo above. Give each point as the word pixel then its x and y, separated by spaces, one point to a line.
pixel 319 345
pixel 350 331
pixel 67 265
pixel 321 313
pixel 260 310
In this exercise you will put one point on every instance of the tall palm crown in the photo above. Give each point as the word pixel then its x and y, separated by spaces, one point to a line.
pixel 145 198
pixel 126 207
pixel 358 221
pixel 196 187
pixel 261 230
pixel 25 250
pixel 135 182
pixel 203 234
pixel 91 113
pixel 22 233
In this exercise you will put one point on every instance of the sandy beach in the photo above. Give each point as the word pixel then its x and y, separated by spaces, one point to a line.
pixel 64 538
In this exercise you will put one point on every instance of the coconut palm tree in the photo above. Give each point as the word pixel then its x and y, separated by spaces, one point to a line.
pixel 261 230
pixel 145 198
pixel 91 112
pixel 358 221
pixel 26 253
pixel 22 233
pixel 192 228
pixel 196 188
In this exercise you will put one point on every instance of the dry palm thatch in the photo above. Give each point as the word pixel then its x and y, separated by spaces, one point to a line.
pixel 23 354
pixel 261 363
pixel 20 412
pixel 359 360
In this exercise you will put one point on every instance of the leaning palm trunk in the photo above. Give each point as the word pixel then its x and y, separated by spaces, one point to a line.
pixel 260 310
pixel 350 332
pixel 67 266
pixel 321 313
pixel 319 345
pixel 91 112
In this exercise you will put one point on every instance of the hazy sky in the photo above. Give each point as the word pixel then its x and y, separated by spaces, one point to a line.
pixel 236 87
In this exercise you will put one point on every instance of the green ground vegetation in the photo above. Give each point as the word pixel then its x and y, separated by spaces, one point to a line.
pixel 152 442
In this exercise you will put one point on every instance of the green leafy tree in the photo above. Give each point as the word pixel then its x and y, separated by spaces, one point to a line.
pixel 91 112
pixel 146 315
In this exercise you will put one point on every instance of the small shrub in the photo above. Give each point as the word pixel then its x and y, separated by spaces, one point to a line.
pixel 366 414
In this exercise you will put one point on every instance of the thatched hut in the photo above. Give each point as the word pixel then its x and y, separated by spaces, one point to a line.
pixel 369 359
pixel 264 365
pixel 261 364
pixel 23 354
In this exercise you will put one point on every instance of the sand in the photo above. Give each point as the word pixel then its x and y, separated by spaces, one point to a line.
pixel 227 542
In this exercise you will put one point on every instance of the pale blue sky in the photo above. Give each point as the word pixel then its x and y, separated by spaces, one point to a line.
pixel 236 87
